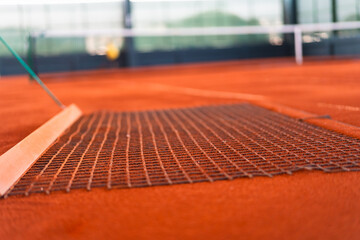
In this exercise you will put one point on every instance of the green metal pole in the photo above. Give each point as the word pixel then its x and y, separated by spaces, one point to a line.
pixel 30 55
pixel 32 73
pixel 334 18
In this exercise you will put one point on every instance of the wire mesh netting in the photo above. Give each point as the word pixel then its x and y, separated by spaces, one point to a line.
pixel 164 147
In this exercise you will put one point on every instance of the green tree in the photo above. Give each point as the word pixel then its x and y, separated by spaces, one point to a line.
pixel 204 19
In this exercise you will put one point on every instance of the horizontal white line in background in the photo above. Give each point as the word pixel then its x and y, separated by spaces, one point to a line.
pixel 52 2
pixel 340 107
pixel 233 95
pixel 206 93
pixel 200 31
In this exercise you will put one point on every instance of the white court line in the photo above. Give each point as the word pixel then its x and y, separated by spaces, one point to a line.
pixel 206 93
pixel 233 95
pixel 340 107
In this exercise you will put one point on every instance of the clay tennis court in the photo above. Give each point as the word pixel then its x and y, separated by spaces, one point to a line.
pixel 304 205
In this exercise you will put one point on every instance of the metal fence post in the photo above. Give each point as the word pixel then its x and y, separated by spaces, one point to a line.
pixel 298 45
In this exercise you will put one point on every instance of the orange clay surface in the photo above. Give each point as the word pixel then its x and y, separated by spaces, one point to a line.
pixel 307 205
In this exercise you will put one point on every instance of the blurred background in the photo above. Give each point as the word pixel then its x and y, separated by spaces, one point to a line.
pixel 76 44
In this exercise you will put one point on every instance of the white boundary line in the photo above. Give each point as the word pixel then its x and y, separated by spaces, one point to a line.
pixel 206 93
pixel 232 95
pixel 339 107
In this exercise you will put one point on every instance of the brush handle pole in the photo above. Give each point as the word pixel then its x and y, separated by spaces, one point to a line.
pixel 32 73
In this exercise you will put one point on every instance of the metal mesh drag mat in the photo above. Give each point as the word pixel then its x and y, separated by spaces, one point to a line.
pixel 164 147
